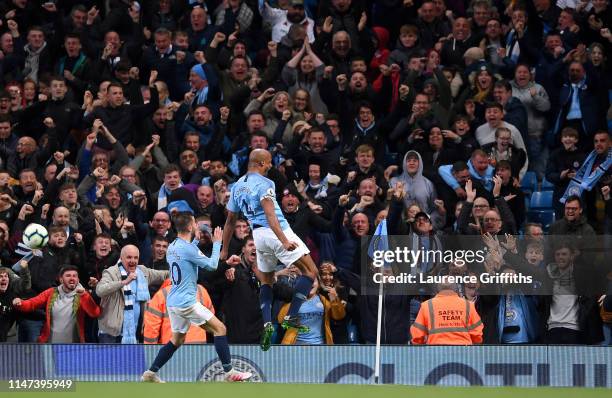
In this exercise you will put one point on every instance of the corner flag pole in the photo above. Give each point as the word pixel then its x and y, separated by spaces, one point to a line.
pixel 378 333
pixel 380 242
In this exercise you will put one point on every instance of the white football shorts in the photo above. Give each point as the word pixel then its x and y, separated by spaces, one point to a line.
pixel 181 318
pixel 270 250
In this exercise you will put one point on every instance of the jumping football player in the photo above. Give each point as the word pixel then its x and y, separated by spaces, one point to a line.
pixel 185 258
pixel 255 196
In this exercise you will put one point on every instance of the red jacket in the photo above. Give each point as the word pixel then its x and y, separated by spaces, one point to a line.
pixel 86 305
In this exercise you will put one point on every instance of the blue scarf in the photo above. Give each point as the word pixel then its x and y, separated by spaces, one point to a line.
pixel 528 321
pixel 130 322
pixel 201 95
pixel 585 179
pixel 27 253
pixel 162 196
pixel 487 179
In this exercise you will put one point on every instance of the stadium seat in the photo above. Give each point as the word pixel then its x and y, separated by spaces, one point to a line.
pixel 541 200
pixel 547 185
pixel 529 183
pixel 544 217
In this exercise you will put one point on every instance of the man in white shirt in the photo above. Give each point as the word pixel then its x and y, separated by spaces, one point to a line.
pixel 494 114
pixel 281 20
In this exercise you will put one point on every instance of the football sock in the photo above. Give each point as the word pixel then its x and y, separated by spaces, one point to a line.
pixel 265 300
pixel 163 356
pixel 223 352
pixel 302 288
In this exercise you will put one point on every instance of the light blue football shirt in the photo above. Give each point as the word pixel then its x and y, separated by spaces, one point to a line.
pixel 246 196
pixel 185 258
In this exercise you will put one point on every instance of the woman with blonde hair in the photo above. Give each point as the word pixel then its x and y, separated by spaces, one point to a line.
pixel 305 71
pixel 278 111
pixel 316 314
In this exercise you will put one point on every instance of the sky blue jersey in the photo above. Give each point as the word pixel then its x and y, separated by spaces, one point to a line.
pixel 185 258
pixel 246 196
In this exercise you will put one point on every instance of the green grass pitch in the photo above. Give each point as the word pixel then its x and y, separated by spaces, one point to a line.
pixel 270 390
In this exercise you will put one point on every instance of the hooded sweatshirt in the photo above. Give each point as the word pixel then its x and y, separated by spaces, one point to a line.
pixel 419 190
pixel 382 53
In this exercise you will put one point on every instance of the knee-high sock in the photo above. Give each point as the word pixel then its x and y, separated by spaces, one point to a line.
pixel 265 300
pixel 163 356
pixel 223 351
pixel 302 288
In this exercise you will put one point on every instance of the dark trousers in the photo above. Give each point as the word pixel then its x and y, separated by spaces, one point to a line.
pixel 563 336
pixel 104 338
pixel 28 330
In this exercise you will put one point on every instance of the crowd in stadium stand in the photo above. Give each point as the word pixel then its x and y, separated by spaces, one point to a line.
pixel 488 118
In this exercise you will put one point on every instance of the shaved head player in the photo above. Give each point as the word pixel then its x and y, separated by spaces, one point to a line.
pixel 255 196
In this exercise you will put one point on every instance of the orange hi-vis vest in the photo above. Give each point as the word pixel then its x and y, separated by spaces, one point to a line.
pixel 157 322
pixel 447 319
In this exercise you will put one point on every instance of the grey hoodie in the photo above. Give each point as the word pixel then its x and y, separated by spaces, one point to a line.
pixel 419 191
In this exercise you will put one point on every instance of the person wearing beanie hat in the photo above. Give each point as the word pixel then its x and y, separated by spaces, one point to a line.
pixel 199 84
pixel 205 87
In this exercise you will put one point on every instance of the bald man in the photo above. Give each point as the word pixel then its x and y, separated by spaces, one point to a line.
pixel 27 155
pixel 124 289
pixel 254 196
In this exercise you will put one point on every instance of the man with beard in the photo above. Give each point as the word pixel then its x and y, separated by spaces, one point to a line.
pixel 314 149
pixel 282 20
pixel 593 174
pixel 66 307
pixel 44 272
pixel 573 222
pixel 213 136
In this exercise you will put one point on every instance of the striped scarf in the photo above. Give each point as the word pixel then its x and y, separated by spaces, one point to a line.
pixel 27 253
pixel 142 294
pixel 585 178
